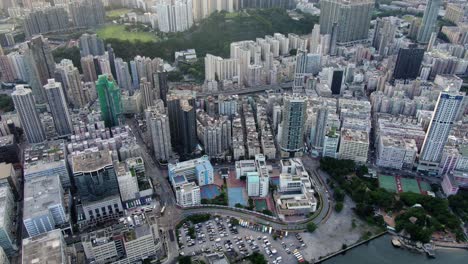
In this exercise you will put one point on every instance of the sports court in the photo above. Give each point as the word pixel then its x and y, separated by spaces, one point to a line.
pixel 401 184
pixel 387 182
pixel 274 181
pixel 260 204
pixel 209 191
pixel 236 196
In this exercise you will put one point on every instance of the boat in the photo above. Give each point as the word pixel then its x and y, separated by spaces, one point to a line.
pixel 396 242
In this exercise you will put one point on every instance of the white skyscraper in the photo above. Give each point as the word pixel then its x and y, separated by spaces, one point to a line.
pixel 123 74
pixel 58 107
pixel 30 121
pixel 175 17
pixel 443 117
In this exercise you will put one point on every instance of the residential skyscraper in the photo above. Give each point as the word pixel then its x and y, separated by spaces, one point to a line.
pixel 7 229
pixel 147 93
pixel 352 18
pixel 40 21
pixel 408 63
pixel 87 13
pixel 123 74
pixel 384 34
pixel 69 76
pixel 158 126
pixel 443 117
pixel 429 21
pixel 301 71
pixel 90 44
pixel 89 69
pixel 109 100
pixel 43 58
pixel 7 73
pixel 58 107
pixel 30 121
pixel 292 125
pixel 176 16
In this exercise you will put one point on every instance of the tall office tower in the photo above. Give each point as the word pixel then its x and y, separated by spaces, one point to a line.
pixel 111 58
pixel 7 72
pixel 109 100
pixel 94 175
pixel 147 93
pixel 47 20
pixel 158 127
pixel 30 121
pixel 384 34
pixel 301 73
pixel 352 18
pixel 123 74
pixel 89 69
pixel 444 115
pixel 87 13
pixel 42 56
pixel 429 21
pixel 90 44
pixel 72 86
pixel 7 228
pixel 58 108
pixel 292 125
pixel 97 186
pixel 335 80
pixel 176 16
pixel 408 63
pixel 181 111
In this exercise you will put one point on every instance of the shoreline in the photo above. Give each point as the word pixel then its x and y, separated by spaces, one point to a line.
pixel 357 244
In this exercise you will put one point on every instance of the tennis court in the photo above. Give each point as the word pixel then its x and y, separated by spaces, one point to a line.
pixel 410 185
pixel 260 205
pixel 424 186
pixel 209 191
pixel 387 182
pixel 236 196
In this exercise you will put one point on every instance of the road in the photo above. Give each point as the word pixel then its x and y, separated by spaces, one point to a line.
pixel 248 90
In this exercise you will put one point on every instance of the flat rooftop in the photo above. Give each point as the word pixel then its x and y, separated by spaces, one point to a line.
pixel 45 248
pixel 44 153
pixel 39 194
pixel 7 140
pixel 91 160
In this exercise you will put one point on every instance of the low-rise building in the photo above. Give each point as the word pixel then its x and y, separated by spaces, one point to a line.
pixel 47 159
pixel 354 145
pixel 396 152
pixel 46 206
pixel 7 217
pixel 295 196
pixel 199 170
pixel 130 241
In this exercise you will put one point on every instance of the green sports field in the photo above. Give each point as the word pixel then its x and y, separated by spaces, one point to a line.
pixel 119 32
pixel 387 182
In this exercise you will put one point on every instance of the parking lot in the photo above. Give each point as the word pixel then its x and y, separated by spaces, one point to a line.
pixel 218 234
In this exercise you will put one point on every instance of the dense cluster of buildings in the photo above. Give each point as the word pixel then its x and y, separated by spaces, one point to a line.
pixel 388 95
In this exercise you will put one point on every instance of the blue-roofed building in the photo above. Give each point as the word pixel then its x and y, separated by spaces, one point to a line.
pixel 199 170
pixel 253 184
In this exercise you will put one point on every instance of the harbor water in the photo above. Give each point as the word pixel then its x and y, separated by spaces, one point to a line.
pixel 381 251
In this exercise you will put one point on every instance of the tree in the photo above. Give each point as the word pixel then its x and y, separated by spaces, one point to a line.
pixel 293 52
pixel 185 260
pixel 175 76
pixel 72 54
pixel 191 232
pixel 234 221
pixel 339 207
pixel 257 258
pixel 362 170
pixel 339 195
pixel 6 103
pixel 311 227
pixel 267 212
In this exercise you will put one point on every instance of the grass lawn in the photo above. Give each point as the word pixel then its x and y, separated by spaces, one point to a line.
pixel 117 12
pixel 118 32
